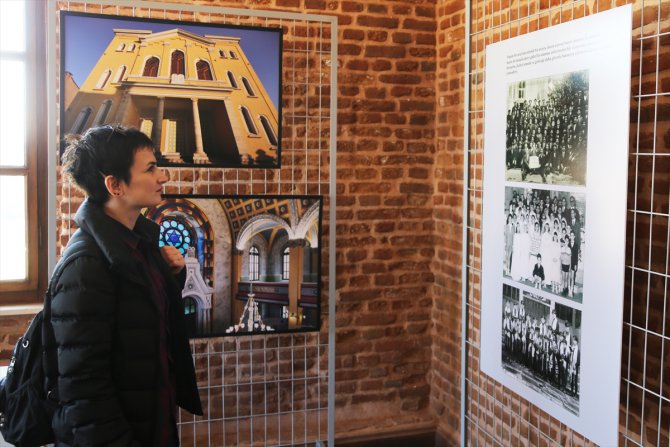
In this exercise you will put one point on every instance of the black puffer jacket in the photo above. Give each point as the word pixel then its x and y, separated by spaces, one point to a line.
pixel 106 330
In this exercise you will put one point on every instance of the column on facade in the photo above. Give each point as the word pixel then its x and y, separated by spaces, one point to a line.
pixel 157 130
pixel 239 129
pixel 199 156
pixel 296 266
pixel 237 306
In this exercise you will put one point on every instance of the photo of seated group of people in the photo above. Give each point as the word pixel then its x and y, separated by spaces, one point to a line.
pixel 547 128
pixel 541 345
pixel 544 240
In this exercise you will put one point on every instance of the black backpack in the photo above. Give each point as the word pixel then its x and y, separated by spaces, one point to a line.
pixel 28 393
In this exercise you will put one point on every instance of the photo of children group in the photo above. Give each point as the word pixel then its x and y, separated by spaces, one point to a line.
pixel 544 240
pixel 541 345
pixel 547 128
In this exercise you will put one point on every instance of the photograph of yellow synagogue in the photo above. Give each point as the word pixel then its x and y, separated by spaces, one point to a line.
pixel 195 92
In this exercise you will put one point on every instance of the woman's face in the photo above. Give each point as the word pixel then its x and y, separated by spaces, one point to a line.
pixel 146 181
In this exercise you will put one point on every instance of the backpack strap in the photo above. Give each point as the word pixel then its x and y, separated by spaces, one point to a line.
pixel 50 362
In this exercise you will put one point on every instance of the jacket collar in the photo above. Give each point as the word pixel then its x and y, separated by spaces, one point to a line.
pixel 109 234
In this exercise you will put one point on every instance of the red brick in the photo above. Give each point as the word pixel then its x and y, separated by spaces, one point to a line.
pixel 377 36
pixel 353 34
pixel 377 22
pixel 390 51
pixel 402 37
pixel 352 6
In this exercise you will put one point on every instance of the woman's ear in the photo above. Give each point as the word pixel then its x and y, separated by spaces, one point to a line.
pixel 113 186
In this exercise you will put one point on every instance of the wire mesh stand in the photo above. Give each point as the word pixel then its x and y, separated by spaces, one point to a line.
pixel 250 321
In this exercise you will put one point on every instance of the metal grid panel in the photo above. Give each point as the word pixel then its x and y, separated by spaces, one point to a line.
pixel 269 390
pixel 492 414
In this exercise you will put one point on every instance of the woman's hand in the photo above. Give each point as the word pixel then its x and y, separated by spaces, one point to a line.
pixel 173 257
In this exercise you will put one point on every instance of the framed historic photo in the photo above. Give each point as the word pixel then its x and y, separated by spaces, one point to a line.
pixel 253 262
pixel 207 94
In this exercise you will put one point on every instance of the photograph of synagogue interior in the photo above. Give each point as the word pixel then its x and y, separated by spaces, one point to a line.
pixel 263 223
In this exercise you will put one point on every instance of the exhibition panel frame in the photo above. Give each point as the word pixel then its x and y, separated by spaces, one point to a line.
pixel 491 413
pixel 266 389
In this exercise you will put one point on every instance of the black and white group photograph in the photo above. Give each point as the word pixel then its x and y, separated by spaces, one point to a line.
pixel 547 129
pixel 541 345
pixel 544 240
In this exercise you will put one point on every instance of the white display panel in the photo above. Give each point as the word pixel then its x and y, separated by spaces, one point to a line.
pixel 556 146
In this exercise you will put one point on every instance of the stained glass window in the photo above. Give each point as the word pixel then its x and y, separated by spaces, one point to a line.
pixel 177 233
pixel 189 306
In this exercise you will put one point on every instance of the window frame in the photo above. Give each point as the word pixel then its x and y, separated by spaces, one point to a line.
pixel 254 263
pixel 35 171
pixel 286 263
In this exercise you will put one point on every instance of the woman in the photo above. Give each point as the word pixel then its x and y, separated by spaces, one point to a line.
pixel 123 356
pixel 509 242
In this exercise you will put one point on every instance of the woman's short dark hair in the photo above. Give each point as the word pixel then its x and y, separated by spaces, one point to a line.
pixel 102 151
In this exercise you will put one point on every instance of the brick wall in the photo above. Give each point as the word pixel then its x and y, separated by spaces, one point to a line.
pixel 448 217
pixel 386 152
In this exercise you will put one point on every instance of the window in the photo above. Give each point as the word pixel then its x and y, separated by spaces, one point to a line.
pixel 151 67
pixel 251 127
pixel 121 47
pixel 233 55
pixel 522 90
pixel 204 72
pixel 285 263
pixel 23 170
pixel 102 113
pixel 247 87
pixel 82 118
pixel 189 306
pixel 104 77
pixel 176 232
pixel 269 131
pixel 254 263
pixel 131 47
pixel 231 78
pixel 120 73
pixel 177 64
pixel 223 54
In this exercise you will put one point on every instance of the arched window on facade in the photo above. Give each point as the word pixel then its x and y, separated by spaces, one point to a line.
pixel 151 67
pixel 251 127
pixel 204 71
pixel 269 131
pixel 247 87
pixel 80 122
pixel 104 77
pixel 285 263
pixel 254 263
pixel 120 73
pixel 121 47
pixel 233 55
pixel 103 111
pixel 223 54
pixel 177 66
pixel 231 78
pixel 131 47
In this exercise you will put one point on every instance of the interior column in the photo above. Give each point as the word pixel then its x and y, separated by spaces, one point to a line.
pixel 296 259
